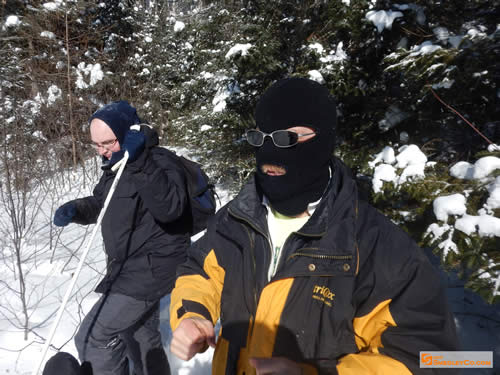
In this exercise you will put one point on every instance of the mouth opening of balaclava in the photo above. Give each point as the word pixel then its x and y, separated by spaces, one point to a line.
pixel 288 103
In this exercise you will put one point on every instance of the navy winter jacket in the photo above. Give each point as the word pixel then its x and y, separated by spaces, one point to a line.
pixel 146 225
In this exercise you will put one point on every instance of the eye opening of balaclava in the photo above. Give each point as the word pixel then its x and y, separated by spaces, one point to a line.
pixel 289 103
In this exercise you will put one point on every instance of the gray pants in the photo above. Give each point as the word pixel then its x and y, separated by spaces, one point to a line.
pixel 119 328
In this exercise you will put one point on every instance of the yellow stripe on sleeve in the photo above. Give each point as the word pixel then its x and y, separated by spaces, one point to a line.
pixel 368 335
pixel 370 327
pixel 199 289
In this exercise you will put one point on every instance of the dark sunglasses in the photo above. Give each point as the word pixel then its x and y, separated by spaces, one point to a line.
pixel 281 138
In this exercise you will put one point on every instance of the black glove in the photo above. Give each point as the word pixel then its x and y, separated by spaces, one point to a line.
pixel 64 214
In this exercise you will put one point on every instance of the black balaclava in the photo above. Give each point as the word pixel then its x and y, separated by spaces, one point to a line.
pixel 287 103
pixel 119 116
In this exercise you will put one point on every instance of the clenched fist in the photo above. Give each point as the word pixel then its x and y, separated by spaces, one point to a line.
pixel 192 336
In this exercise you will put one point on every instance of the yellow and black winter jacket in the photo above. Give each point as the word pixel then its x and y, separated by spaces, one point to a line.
pixel 353 294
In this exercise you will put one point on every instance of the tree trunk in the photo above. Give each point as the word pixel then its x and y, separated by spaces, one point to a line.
pixel 70 97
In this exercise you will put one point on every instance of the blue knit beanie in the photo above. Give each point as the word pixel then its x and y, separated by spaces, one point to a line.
pixel 119 116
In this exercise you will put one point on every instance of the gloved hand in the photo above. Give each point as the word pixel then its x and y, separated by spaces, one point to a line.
pixel 64 214
pixel 134 143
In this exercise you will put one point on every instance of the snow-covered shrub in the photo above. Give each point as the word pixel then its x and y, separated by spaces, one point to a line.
pixel 455 210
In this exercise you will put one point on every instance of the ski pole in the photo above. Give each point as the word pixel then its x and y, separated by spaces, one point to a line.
pixel 121 164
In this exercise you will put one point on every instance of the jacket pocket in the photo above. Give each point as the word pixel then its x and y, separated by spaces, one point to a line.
pixel 326 300
pixel 315 262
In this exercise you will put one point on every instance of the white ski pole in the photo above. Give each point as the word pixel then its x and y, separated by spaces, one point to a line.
pixel 121 166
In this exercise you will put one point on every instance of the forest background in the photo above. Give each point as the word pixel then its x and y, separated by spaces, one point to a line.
pixel 421 74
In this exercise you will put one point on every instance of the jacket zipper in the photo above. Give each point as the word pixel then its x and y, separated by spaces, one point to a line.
pixel 283 248
pixel 252 244
pixel 254 264
pixel 255 228
pixel 298 253
pixel 319 256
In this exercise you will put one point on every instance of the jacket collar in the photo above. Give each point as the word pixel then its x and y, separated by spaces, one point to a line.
pixel 247 206
pixel 338 203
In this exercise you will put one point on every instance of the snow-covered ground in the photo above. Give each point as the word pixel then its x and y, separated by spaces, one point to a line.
pixel 50 257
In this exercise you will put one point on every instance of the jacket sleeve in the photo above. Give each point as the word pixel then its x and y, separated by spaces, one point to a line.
pixel 160 184
pixel 88 208
pixel 198 287
pixel 401 308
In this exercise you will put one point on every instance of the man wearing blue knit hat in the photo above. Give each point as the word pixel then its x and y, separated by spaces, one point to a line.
pixel 145 231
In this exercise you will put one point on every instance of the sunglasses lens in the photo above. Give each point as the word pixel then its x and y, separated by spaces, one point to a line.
pixel 285 138
pixel 281 138
pixel 255 137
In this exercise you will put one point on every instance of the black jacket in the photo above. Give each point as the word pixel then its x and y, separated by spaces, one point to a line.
pixel 352 292
pixel 146 225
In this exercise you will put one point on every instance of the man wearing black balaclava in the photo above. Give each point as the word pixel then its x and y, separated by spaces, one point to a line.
pixel 303 276
pixel 303 170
